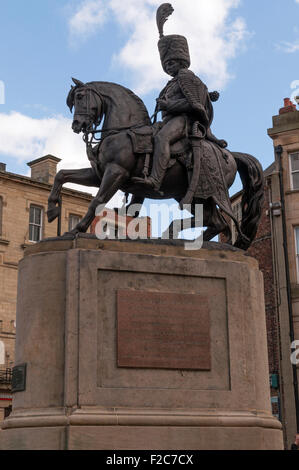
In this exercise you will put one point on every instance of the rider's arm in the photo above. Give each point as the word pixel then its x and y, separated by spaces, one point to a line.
pixel 179 106
pixel 183 106
pixel 212 138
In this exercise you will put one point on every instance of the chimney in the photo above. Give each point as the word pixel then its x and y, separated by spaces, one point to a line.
pixel 2 167
pixel 44 169
pixel 289 107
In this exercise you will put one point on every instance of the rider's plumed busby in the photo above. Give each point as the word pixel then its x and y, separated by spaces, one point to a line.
pixel 172 46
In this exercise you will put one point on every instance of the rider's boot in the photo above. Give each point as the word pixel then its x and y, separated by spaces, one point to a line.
pixel 160 163
pixel 148 181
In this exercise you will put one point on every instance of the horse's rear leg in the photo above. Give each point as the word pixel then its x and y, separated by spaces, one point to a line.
pixel 216 224
pixel 212 219
pixel 112 180
pixel 84 176
pixel 178 225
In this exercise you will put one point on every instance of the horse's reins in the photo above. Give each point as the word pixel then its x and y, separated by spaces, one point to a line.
pixel 93 132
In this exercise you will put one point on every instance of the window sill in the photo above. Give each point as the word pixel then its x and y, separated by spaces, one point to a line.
pixel 292 191
pixel 28 243
pixel 3 241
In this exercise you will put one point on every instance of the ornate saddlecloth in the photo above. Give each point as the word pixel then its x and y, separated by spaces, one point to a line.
pixel 211 182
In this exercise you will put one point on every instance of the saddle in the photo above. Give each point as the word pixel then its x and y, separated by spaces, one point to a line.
pixel 202 159
pixel 143 141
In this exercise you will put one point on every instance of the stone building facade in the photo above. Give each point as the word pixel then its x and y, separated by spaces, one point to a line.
pixel 110 224
pixel 23 222
pixel 276 247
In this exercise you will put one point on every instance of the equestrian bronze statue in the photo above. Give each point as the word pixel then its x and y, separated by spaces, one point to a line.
pixel 178 157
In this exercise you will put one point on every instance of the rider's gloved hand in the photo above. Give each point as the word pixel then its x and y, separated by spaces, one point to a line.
pixel 222 143
pixel 162 104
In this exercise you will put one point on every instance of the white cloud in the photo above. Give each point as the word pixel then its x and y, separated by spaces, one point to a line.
pixel 289 47
pixel 25 138
pixel 90 15
pixel 214 39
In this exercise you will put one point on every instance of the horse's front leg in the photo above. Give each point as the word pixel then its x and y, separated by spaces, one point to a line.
pixel 113 179
pixel 133 209
pixel 85 176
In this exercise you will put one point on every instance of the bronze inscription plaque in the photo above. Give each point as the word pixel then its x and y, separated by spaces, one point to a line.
pixel 163 330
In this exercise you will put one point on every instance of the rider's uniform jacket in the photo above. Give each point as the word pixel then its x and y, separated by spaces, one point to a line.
pixel 187 85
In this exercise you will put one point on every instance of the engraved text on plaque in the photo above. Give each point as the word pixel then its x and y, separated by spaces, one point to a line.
pixel 163 330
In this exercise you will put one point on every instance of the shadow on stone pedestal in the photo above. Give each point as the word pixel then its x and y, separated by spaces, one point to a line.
pixel 132 345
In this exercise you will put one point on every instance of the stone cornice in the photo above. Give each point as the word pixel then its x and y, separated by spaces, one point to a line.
pixel 45 186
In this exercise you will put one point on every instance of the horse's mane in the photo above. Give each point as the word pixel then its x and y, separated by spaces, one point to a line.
pixel 70 100
pixel 99 86
pixel 127 90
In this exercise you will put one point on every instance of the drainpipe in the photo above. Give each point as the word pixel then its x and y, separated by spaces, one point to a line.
pixel 278 151
pixel 59 217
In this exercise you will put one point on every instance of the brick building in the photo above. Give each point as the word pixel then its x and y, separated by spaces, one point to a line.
pixel 116 226
pixel 276 247
pixel 23 221
pixel 262 250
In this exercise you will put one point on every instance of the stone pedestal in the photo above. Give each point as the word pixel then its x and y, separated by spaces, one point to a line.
pixel 132 345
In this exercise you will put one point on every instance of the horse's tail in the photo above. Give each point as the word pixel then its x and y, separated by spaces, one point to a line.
pixel 252 177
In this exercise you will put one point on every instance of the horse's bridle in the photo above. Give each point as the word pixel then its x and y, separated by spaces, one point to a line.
pixel 87 111
pixel 93 131
pixel 90 89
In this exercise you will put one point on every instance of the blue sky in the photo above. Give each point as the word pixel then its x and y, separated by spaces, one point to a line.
pixel 247 49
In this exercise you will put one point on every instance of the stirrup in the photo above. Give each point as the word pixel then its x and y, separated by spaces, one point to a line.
pixel 138 179
pixel 145 182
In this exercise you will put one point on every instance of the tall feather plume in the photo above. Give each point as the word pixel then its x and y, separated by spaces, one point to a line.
pixel 163 12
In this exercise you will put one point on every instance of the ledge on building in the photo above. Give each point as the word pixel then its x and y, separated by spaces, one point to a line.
pixel 26 244
pixel 3 241
pixel 286 120
pixel 292 191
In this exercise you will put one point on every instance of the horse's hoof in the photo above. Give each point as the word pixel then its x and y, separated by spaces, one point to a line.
pixel 167 235
pixel 131 213
pixel 52 214
pixel 69 236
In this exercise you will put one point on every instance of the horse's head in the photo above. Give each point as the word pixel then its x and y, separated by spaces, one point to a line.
pixel 88 106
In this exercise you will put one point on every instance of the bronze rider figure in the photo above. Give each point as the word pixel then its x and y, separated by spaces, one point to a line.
pixel 184 101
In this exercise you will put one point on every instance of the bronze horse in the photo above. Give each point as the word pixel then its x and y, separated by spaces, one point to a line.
pixel 113 163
